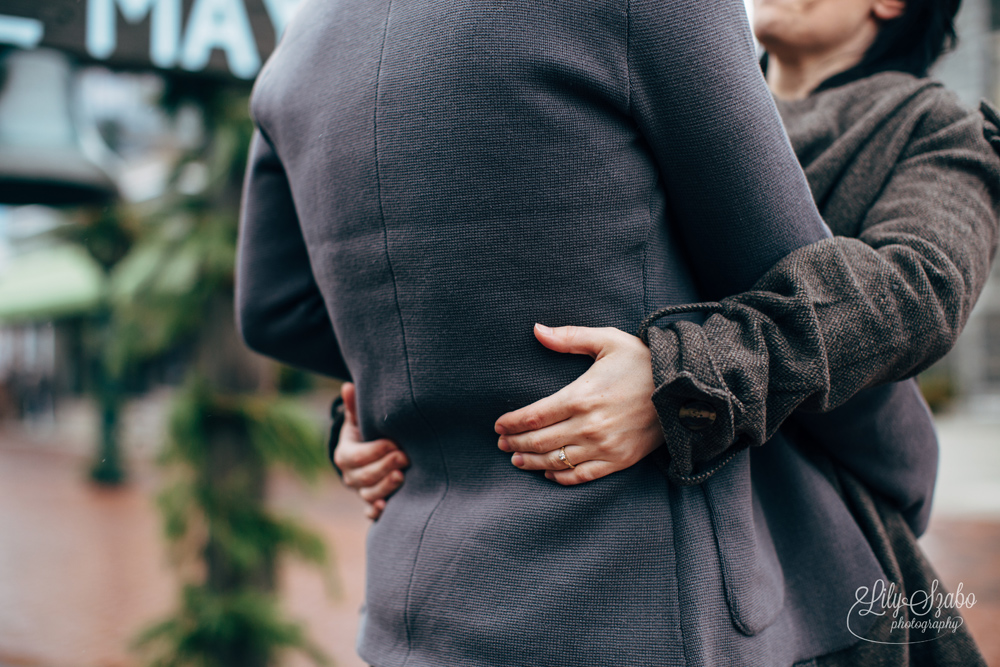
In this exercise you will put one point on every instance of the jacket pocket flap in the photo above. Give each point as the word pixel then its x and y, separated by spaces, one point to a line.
pixel 751 571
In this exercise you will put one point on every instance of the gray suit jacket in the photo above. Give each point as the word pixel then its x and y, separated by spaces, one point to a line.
pixel 433 177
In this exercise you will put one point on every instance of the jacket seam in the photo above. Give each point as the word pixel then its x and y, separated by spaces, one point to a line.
pixel 628 56
pixel 407 622
pixel 645 304
pixel 686 649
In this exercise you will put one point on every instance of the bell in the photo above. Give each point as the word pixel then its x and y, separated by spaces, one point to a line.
pixel 41 160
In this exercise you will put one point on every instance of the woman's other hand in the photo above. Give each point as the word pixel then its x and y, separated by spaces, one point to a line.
pixel 374 469
pixel 605 419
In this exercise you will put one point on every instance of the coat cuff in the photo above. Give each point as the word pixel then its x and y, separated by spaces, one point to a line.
pixel 697 412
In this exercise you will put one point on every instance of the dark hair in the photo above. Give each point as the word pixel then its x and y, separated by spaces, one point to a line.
pixel 911 43
pixel 914 41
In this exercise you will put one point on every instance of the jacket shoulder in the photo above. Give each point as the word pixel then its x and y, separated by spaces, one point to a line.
pixel 944 121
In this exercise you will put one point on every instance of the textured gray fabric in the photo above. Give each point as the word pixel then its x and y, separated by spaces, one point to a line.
pixel 884 435
pixel 910 186
pixel 435 177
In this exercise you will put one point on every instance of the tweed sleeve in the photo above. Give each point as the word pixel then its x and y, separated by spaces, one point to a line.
pixel 279 309
pixel 842 314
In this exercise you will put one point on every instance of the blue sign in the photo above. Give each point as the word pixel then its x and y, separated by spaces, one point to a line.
pixel 229 37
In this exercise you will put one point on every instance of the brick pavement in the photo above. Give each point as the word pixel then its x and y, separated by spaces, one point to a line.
pixel 83 569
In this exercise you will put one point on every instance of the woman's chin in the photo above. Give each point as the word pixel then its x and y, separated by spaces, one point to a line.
pixel 771 40
pixel 772 29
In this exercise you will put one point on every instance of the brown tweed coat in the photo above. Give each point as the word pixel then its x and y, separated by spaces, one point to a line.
pixel 909 183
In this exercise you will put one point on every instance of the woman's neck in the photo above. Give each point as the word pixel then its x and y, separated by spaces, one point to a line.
pixel 794 75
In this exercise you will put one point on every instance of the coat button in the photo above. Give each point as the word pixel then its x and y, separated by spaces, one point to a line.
pixel 696 415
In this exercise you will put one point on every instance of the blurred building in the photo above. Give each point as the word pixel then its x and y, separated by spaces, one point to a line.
pixel 46 288
pixel 76 134
pixel 98 123
pixel 971 71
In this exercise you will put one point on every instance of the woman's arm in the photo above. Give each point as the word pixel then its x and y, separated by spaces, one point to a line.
pixel 279 309
pixel 843 314
pixel 830 319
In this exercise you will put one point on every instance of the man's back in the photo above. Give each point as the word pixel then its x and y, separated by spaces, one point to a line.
pixel 458 176
pixel 457 171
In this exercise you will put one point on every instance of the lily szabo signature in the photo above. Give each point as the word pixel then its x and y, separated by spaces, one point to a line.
pixel 920 613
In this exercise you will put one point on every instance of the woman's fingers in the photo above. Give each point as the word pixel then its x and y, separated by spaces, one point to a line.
pixel 387 485
pixel 584 472
pixel 575 454
pixel 567 432
pixel 576 340
pixel 374 510
pixel 351 452
pixel 544 412
pixel 348 392
pixel 375 472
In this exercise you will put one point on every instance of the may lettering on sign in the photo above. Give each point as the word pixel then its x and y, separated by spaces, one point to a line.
pixel 203 36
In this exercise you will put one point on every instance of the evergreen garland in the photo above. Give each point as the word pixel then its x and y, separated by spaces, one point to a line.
pixel 176 286
pixel 232 619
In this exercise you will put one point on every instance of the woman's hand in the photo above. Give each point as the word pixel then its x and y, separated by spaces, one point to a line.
pixel 374 469
pixel 605 419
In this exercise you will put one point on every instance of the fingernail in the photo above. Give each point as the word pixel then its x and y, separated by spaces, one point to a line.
pixel 517 460
pixel 544 329
pixel 550 475
pixel 397 476
pixel 503 444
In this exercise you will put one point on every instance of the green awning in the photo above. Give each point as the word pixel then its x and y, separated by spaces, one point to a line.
pixel 48 283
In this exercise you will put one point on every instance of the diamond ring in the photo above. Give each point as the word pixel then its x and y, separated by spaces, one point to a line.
pixel 562 457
